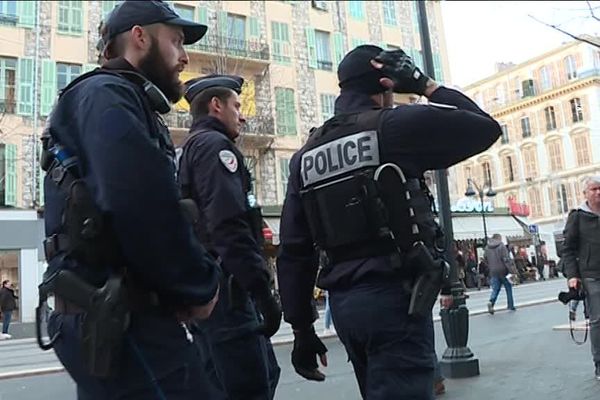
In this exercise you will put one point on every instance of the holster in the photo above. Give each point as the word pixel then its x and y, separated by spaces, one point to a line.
pixel 430 275
pixel 106 320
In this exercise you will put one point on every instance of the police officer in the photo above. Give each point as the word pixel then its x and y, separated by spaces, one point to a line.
pixel 213 174
pixel 356 194
pixel 112 209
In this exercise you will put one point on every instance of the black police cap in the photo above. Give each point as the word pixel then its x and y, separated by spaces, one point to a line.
pixel 196 85
pixel 355 71
pixel 145 12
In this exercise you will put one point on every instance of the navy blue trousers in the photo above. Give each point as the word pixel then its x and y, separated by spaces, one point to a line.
pixel 392 353
pixel 237 357
pixel 158 362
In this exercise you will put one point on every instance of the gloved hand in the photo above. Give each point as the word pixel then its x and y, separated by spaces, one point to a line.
pixel 269 305
pixel 401 69
pixel 307 346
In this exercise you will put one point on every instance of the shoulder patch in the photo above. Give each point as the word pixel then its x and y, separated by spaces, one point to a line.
pixel 229 160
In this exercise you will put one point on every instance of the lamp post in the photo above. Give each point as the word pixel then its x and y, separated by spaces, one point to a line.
pixel 458 361
pixel 473 189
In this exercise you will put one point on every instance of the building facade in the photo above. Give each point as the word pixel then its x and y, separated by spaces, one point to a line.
pixel 287 51
pixel 549 111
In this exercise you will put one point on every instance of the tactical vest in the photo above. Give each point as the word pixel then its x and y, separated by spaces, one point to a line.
pixel 85 235
pixel 185 177
pixel 358 204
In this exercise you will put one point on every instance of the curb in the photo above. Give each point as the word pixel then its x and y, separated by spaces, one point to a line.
pixel 278 342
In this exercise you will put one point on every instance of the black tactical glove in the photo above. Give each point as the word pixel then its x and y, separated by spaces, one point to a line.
pixel 307 346
pixel 268 304
pixel 401 69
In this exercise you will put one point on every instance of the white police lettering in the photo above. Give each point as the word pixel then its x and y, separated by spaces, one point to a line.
pixel 229 160
pixel 340 156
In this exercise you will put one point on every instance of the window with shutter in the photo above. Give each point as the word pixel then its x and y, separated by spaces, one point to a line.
pixel 281 47
pixel 327 106
pixel 356 9
pixel 389 12
pixel 576 110
pixel 10 175
pixel 70 17
pixel 8 84
pixel 339 50
pixel 525 127
pixel 26 10
pixel 311 47
pixel 65 73
pixel 203 15
pixel 107 7
pixel 323 48
pixel 9 12
pixel 49 89
pixel 25 85
pixel 285 111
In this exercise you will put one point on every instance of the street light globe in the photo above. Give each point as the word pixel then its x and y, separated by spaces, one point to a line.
pixel 491 193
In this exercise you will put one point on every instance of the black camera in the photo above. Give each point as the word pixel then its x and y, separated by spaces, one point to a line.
pixel 572 294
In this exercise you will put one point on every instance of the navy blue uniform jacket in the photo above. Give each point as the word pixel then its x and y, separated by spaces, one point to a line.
pixel 219 185
pixel 415 137
pixel 102 121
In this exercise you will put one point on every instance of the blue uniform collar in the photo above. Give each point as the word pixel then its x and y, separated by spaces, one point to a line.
pixel 350 101
pixel 208 123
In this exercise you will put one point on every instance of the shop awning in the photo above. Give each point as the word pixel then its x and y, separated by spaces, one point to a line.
pixel 273 224
pixel 471 227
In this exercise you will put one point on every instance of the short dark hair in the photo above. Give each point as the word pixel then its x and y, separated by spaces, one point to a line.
pixel 199 106
pixel 4 282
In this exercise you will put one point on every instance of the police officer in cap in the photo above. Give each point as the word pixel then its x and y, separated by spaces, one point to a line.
pixel 356 194
pixel 213 174
pixel 112 211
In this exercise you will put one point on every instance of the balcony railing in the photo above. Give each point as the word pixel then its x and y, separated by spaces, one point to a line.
pixel 259 125
pixel 232 47
pixel 182 120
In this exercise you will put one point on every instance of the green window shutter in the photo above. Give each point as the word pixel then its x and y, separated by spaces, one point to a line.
pixel 290 108
pixel 311 44
pixel 10 175
pixel 25 86
pixel 253 28
pixel 338 48
pixel 49 87
pixel 26 13
pixel 276 49
pixel 76 17
pixel 280 110
pixel 89 67
pixel 222 23
pixel 203 15
pixel 107 7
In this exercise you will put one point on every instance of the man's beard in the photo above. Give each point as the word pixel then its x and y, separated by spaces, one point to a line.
pixel 157 71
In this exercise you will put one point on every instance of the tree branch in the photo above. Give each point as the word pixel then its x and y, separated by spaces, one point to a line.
pixel 576 37
pixel 592 11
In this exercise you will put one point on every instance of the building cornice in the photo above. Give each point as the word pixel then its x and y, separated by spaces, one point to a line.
pixel 547 96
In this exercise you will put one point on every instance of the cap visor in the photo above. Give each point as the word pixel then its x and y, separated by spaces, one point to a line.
pixel 192 31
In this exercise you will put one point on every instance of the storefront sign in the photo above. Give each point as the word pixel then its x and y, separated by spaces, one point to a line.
pixel 471 205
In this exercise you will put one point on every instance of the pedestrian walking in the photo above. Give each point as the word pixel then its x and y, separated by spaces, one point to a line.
pixel 581 258
pixel 212 173
pixel 347 209
pixel 499 265
pixel 113 219
pixel 8 304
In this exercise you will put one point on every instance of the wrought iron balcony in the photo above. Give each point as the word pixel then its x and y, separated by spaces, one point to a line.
pixel 232 47
pixel 259 125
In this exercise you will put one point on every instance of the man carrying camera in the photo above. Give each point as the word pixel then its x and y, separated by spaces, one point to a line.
pixel 581 258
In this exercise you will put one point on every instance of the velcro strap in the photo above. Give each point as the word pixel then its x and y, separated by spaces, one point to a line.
pixel 55 244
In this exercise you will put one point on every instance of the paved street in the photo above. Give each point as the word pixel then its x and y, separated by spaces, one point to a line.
pixel 521 357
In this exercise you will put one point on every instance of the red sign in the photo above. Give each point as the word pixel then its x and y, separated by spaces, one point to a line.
pixel 518 209
pixel 268 234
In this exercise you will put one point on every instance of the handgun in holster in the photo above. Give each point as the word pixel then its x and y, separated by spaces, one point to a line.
pixel 428 282
pixel 105 323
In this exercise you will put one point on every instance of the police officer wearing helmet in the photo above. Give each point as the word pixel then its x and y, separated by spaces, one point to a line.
pixel 213 174
pixel 125 267
pixel 356 194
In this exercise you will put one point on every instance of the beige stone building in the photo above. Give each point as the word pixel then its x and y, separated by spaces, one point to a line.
pixel 548 108
pixel 287 51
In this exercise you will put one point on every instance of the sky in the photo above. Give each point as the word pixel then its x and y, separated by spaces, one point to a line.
pixel 481 33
